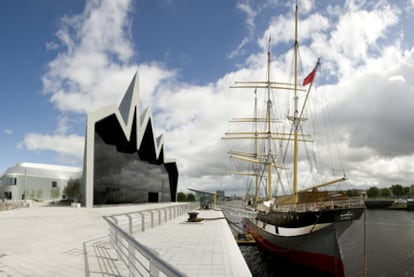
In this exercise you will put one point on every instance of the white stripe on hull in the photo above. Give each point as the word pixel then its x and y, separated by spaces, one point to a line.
pixel 290 232
pixel 299 231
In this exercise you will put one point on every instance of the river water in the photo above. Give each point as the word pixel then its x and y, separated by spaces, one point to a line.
pixel 390 248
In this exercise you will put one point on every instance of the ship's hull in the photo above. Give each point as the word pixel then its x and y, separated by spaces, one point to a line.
pixel 316 248
pixel 296 219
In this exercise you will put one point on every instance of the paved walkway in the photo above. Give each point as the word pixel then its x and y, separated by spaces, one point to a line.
pixel 60 241
pixel 205 248
pixel 50 240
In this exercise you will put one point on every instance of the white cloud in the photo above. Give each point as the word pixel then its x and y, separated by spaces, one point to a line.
pixel 96 58
pixel 370 103
pixel 51 45
pixel 396 78
pixel 358 30
pixel 71 145
pixel 92 69
pixel 250 13
pixel 281 29
pixel 7 131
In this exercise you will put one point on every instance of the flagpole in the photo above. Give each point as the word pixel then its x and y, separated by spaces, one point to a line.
pixel 309 89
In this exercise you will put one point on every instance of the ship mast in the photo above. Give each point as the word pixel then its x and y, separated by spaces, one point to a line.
pixel 269 132
pixel 267 160
pixel 267 135
pixel 296 119
pixel 256 150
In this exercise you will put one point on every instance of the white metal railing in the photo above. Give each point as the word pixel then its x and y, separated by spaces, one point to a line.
pixel 238 212
pixel 316 206
pixel 139 259
pixel 140 221
pixel 302 207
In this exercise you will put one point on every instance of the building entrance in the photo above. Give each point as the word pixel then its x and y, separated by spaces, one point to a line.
pixel 153 197
pixel 8 195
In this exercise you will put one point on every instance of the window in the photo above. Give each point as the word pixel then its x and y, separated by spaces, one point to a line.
pixel 54 184
pixel 12 181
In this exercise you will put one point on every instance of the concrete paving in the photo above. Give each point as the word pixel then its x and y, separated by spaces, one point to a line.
pixel 203 249
pixel 49 240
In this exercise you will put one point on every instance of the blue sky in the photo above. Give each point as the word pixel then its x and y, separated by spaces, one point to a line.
pixel 60 59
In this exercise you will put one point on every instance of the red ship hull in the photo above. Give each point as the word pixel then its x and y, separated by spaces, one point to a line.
pixel 318 250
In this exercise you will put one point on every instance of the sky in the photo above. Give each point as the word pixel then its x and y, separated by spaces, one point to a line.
pixel 60 60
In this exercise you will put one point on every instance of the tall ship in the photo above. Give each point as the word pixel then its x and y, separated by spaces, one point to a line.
pixel 303 222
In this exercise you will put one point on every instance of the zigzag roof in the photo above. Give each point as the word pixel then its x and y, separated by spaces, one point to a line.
pixel 126 114
pixel 130 132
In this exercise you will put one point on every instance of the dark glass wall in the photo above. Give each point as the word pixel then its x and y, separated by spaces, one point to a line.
pixel 123 178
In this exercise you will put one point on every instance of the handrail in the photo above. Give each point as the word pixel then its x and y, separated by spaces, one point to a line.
pixel 138 221
pixel 238 211
pixel 154 260
pixel 315 206
pixel 126 245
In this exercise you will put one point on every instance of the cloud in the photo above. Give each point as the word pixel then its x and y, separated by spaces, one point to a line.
pixel 357 31
pixel 250 13
pixel 71 145
pixel 365 79
pixel 97 50
pixel 7 131
pixel 92 69
pixel 383 110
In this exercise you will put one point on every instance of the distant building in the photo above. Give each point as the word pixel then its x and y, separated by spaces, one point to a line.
pixel 209 199
pixel 36 181
pixel 221 198
pixel 124 161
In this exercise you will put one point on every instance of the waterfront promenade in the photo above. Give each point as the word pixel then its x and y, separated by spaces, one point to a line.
pixel 50 240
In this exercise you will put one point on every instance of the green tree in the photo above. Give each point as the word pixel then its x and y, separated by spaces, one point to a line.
pixel 190 197
pixel 352 192
pixel 373 192
pixel 55 193
pixel 406 190
pixel 181 197
pixel 385 192
pixel 72 189
pixel 397 190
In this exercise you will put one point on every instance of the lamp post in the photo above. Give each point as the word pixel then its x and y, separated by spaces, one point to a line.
pixel 24 192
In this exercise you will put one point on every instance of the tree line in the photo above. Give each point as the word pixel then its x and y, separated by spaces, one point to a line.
pixel 182 197
pixel 393 191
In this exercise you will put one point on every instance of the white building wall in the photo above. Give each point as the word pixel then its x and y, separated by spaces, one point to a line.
pixel 36 181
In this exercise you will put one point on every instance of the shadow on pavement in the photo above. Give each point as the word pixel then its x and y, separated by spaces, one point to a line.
pixel 101 259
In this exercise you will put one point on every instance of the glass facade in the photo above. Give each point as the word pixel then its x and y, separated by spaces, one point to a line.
pixel 124 178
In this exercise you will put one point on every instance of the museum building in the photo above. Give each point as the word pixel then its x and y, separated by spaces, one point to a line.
pixel 123 161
